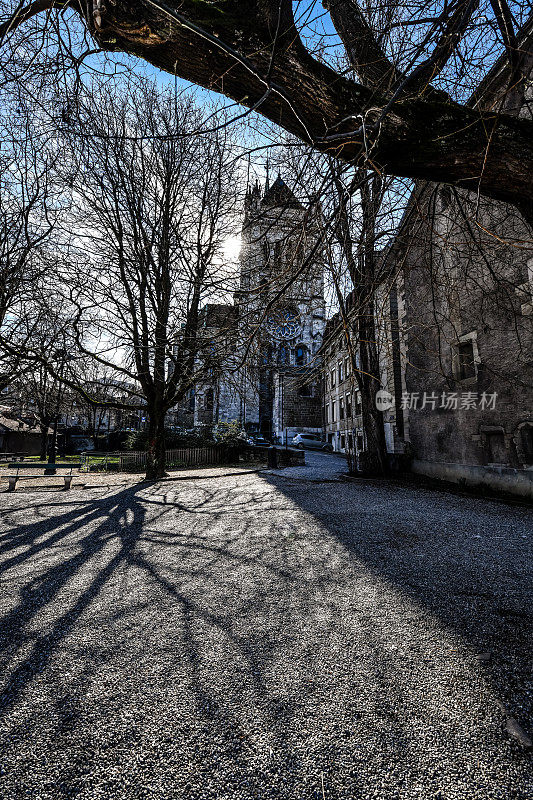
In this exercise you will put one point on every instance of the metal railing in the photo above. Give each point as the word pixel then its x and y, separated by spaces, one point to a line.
pixel 181 457
pixel 135 461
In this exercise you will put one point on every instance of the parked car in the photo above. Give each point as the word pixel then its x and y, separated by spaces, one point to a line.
pixel 259 441
pixel 311 441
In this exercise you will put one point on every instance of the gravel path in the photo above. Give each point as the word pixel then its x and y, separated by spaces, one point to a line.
pixel 264 636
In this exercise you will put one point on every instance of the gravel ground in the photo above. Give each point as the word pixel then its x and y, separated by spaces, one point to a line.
pixel 264 636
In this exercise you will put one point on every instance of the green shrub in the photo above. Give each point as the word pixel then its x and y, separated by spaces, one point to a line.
pixel 230 434
pixel 201 437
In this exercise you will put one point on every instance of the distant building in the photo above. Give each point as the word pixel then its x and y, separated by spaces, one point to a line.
pixel 19 434
pixel 342 411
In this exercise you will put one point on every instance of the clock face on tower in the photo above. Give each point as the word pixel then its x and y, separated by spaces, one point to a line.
pixel 283 323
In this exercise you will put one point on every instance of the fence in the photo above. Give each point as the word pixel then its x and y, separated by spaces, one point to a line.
pixel 93 461
pixel 135 461
pixel 182 457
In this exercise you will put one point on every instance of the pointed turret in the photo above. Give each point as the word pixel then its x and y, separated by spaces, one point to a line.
pixel 251 200
pixel 279 194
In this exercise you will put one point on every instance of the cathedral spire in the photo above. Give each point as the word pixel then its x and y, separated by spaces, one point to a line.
pixel 267 182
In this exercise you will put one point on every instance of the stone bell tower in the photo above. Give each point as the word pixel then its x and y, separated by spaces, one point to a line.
pixel 281 312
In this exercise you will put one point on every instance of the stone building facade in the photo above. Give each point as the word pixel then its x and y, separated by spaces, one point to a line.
pixel 464 267
pixel 268 377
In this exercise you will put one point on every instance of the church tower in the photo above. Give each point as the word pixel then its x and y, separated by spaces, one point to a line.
pixel 281 312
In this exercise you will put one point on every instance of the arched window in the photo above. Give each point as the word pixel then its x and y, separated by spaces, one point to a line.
pixel 300 356
pixel 284 355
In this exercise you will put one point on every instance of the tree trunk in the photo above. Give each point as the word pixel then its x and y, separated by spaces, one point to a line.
pixel 155 462
pixel 374 461
pixel 44 443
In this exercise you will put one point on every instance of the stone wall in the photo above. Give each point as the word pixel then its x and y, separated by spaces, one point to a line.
pixel 470 333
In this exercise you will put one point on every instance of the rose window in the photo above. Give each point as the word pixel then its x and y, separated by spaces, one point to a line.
pixel 283 323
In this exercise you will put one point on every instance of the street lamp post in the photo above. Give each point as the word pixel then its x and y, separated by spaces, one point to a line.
pixel 62 356
pixel 52 448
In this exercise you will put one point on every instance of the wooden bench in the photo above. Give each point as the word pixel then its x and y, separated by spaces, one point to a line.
pixel 46 468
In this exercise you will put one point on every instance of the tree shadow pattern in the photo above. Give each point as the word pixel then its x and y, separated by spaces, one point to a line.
pixel 258 637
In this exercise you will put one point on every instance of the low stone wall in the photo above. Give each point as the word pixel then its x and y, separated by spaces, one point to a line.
pixel 507 480
pixel 290 457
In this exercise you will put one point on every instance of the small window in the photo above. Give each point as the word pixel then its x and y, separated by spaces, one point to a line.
pixel 327 413
pixel 526 440
pixel 466 367
pixel 341 408
pixel 496 448
pixel 300 356
pixel 333 411
pixel 333 377
pixel 348 406
pixel 346 367
pixel 340 373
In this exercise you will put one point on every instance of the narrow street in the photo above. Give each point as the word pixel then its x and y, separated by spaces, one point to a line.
pixel 283 635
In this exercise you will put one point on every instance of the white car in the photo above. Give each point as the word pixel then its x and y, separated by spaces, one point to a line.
pixel 311 441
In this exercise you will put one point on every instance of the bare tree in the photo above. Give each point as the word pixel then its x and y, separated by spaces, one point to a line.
pixel 152 206
pixel 359 212
pixel 27 220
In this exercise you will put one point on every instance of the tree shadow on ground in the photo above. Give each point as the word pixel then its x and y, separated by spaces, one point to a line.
pixel 242 618
pixel 468 561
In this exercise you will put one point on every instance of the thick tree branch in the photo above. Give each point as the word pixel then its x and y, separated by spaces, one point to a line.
pixel 25 12
pixel 505 24
pixel 227 46
pixel 365 54
pixel 455 26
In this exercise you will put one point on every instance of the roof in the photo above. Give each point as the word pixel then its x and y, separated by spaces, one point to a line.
pixel 279 194
pixel 17 424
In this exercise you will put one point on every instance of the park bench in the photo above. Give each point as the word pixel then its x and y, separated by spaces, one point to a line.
pixel 18 466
